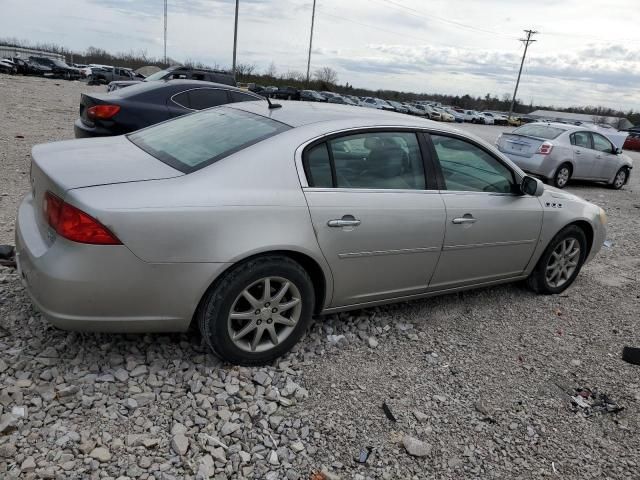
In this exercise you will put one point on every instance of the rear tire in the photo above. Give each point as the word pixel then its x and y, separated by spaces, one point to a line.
pixel 620 179
pixel 562 175
pixel 243 325
pixel 560 263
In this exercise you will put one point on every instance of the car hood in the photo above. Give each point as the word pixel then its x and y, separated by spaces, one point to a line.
pixel 97 161
pixel 557 194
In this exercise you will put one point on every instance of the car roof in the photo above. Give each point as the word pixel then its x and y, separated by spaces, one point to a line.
pixel 298 114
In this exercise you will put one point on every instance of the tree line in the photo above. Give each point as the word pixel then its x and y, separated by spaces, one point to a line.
pixel 323 79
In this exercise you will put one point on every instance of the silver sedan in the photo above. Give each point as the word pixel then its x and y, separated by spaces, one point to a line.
pixel 248 219
pixel 558 152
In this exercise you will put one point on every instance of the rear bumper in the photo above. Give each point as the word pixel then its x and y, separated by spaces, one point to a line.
pixel 540 165
pixel 83 131
pixel 105 288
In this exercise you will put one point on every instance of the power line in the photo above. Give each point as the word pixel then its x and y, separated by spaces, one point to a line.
pixel 417 13
pixel 527 41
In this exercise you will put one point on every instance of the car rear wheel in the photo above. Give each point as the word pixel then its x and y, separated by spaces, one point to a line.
pixel 620 179
pixel 258 311
pixel 562 176
pixel 560 263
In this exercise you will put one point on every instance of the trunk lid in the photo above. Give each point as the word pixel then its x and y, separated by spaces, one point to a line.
pixel 520 145
pixel 61 166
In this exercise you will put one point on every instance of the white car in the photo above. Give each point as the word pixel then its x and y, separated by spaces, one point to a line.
pixel 558 152
pixel 488 118
pixel 378 103
pixel 471 116
pixel 444 115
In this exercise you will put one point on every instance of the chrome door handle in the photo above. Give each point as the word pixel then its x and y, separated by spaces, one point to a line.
pixel 464 219
pixel 346 221
pixel 577 152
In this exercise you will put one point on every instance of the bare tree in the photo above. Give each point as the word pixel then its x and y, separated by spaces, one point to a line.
pixel 245 69
pixel 294 75
pixel 327 75
pixel 271 70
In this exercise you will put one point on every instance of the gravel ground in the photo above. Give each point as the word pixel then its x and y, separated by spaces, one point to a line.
pixel 478 383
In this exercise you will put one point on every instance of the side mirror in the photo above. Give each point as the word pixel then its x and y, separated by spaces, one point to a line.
pixel 617 151
pixel 531 186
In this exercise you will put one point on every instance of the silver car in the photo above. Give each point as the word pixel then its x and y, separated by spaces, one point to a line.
pixel 248 219
pixel 558 152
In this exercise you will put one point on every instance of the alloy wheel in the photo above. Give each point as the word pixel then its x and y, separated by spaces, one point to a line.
pixel 563 262
pixel 264 314
pixel 562 177
pixel 620 179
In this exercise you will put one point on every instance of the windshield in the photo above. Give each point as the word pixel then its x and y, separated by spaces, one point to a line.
pixel 539 130
pixel 60 63
pixel 156 76
pixel 194 141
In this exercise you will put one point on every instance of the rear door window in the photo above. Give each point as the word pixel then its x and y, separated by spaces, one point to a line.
pixel 202 98
pixel 581 139
pixel 194 141
pixel 182 99
pixel 242 97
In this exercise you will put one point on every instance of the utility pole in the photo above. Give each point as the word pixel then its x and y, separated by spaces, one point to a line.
pixel 235 41
pixel 527 41
pixel 313 18
pixel 165 32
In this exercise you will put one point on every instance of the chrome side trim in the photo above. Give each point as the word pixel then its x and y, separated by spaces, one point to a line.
pixel 492 244
pixel 377 253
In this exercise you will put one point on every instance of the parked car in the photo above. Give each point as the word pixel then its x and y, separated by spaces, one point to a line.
pixel 498 118
pixel 514 121
pixel 26 67
pixel 7 66
pixel 444 115
pixel 398 107
pixel 85 70
pixel 311 96
pixel 341 100
pixel 246 220
pixel 287 93
pixel 632 142
pixel 488 119
pixel 472 116
pixel 413 110
pixel 457 116
pixel 105 75
pixel 432 113
pixel 378 103
pixel 558 152
pixel 179 73
pixel 58 67
pixel 128 109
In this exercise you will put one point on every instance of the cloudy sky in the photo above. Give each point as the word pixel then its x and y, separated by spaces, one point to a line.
pixel 587 51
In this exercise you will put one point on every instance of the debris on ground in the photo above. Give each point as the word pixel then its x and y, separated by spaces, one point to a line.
pixel 415 447
pixel 608 243
pixel 631 355
pixel 363 456
pixel 388 412
pixel 591 402
pixel 7 256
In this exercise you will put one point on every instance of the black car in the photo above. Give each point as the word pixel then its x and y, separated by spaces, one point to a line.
pixel 311 96
pixel 180 73
pixel 26 67
pixel 129 109
pixel 58 67
pixel 287 93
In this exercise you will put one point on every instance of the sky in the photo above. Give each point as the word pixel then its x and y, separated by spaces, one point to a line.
pixel 587 52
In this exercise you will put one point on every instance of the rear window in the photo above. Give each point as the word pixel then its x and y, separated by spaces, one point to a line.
pixel 194 141
pixel 539 131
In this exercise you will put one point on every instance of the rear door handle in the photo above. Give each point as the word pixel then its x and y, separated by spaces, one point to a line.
pixel 466 218
pixel 345 221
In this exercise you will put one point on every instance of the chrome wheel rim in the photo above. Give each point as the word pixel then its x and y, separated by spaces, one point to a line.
pixel 562 177
pixel 264 314
pixel 620 178
pixel 563 262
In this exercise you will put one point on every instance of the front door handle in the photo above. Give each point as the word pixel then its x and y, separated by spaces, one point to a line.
pixel 577 152
pixel 345 221
pixel 466 218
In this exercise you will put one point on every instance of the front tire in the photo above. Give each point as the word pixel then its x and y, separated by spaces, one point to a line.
pixel 257 311
pixel 562 176
pixel 560 263
pixel 620 179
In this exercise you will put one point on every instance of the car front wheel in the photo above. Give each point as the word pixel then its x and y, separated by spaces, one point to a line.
pixel 257 311
pixel 560 263
pixel 620 179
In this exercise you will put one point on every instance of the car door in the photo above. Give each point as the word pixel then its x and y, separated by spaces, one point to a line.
pixel 583 154
pixel 606 162
pixel 378 218
pixel 491 229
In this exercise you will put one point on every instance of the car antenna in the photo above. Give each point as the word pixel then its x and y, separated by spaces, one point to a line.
pixel 273 105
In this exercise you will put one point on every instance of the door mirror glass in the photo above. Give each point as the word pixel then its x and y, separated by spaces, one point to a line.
pixel 531 186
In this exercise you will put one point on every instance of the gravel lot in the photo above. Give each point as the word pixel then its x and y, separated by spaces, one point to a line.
pixel 480 379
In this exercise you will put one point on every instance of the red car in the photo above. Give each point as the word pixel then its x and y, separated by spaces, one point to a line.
pixel 632 142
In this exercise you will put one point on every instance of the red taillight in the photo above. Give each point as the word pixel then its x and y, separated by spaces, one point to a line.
pixel 102 112
pixel 545 148
pixel 75 225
